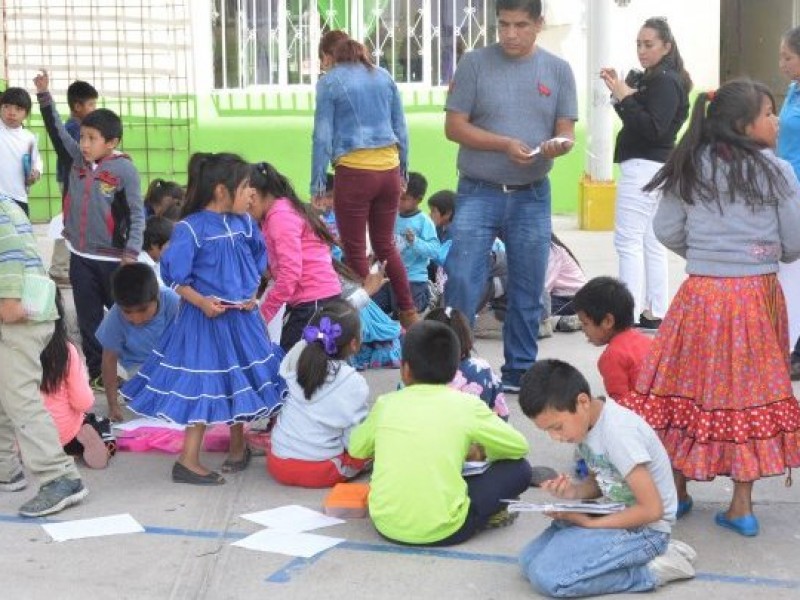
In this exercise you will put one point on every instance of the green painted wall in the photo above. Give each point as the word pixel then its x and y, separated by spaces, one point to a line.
pixel 276 129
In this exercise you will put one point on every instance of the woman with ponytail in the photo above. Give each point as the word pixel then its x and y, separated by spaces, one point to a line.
pixel 327 399
pixel 653 105
pixel 359 126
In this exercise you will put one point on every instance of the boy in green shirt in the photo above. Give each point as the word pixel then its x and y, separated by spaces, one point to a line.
pixel 419 437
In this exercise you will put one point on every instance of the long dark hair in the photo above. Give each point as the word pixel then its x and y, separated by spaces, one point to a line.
pixel 555 240
pixel 206 172
pixel 55 356
pixel 266 179
pixel 457 321
pixel 673 57
pixel 315 364
pixel 717 126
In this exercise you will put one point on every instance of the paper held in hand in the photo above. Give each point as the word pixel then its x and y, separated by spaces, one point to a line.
pixel 38 297
pixel 589 507
pixel 559 139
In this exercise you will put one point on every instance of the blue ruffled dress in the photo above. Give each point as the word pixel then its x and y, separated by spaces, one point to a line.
pixel 220 370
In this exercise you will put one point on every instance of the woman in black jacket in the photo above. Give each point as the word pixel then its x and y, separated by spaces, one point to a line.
pixel 653 106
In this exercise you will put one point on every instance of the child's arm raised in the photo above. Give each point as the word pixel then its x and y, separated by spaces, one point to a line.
pixel 65 146
pixel 647 509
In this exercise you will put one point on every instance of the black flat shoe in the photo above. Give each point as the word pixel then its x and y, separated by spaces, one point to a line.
pixel 646 323
pixel 234 466
pixel 181 474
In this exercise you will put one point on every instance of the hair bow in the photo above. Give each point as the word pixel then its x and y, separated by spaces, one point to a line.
pixel 326 333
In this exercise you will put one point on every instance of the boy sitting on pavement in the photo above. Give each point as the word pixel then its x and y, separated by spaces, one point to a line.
pixel 133 326
pixel 626 551
pixel 419 437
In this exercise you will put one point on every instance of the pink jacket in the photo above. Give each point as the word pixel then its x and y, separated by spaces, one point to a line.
pixel 71 400
pixel 299 261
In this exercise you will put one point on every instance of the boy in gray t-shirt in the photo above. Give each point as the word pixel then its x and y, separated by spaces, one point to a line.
pixel 626 551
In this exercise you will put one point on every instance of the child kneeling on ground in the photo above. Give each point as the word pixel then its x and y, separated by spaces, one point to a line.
pixel 327 399
pixel 419 437
pixel 67 396
pixel 626 551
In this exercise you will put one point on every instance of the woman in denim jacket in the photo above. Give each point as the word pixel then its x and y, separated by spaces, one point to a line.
pixel 359 126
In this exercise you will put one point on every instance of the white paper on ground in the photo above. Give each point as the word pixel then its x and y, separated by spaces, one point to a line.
pixel 291 543
pixel 146 422
pixel 84 528
pixel 292 518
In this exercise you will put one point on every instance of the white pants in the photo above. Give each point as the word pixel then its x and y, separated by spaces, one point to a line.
pixel 642 258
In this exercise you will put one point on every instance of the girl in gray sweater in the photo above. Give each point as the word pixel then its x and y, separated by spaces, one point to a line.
pixel 716 382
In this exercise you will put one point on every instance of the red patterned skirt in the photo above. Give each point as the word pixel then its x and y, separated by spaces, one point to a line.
pixel 715 385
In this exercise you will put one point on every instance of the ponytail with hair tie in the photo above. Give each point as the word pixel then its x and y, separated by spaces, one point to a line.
pixel 326 334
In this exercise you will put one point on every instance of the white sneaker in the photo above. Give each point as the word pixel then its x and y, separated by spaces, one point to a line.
pixel 670 566
pixel 684 549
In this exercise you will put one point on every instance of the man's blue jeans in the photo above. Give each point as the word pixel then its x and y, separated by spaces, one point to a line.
pixel 522 220
pixel 567 561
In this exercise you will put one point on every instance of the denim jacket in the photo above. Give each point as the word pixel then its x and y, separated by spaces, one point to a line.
pixel 357 108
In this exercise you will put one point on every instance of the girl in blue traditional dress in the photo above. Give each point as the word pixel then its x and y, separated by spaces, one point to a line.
pixel 217 363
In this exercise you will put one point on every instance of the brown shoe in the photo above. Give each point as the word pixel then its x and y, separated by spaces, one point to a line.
pixel 408 317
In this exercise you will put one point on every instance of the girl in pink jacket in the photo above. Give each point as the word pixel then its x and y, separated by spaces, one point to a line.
pixel 67 396
pixel 298 251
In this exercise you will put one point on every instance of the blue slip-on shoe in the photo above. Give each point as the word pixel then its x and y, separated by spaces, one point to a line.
pixel 684 507
pixel 746 525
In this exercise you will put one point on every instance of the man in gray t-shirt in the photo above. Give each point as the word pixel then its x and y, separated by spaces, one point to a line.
pixel 508 105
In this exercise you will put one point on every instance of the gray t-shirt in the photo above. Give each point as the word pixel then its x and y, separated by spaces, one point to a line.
pixel 618 442
pixel 516 97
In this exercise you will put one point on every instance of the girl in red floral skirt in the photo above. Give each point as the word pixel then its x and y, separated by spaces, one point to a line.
pixel 716 382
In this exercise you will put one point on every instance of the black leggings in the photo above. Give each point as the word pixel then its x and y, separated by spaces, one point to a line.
pixel 504 479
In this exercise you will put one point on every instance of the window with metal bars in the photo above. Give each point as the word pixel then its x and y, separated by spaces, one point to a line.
pixel 274 42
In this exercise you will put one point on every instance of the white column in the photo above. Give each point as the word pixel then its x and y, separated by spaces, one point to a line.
pixel 600 145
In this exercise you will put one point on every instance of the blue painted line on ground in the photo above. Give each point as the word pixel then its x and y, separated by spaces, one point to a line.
pixel 297 565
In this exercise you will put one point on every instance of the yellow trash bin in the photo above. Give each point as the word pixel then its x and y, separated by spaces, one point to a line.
pixel 596 204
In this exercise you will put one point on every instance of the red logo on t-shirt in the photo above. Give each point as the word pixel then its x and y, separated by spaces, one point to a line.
pixel 544 90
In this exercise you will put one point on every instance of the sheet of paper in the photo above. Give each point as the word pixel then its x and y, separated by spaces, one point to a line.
pixel 292 543
pixel 84 528
pixel 588 507
pixel 145 422
pixel 474 467
pixel 292 518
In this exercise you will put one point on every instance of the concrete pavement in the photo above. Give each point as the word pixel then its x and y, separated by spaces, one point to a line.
pixel 186 553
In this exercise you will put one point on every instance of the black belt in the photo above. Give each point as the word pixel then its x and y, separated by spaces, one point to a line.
pixel 505 187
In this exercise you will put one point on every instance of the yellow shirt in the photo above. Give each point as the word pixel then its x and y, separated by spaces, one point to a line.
pixel 371 159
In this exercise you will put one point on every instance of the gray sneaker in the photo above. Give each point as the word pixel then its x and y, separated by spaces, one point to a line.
pixel 54 496
pixel 15 484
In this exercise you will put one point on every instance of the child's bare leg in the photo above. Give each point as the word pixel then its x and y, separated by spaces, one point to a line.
pixel 742 501
pixel 680 485
pixel 190 454
pixel 237 445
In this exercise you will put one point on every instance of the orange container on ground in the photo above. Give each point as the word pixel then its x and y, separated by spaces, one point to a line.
pixel 347 501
